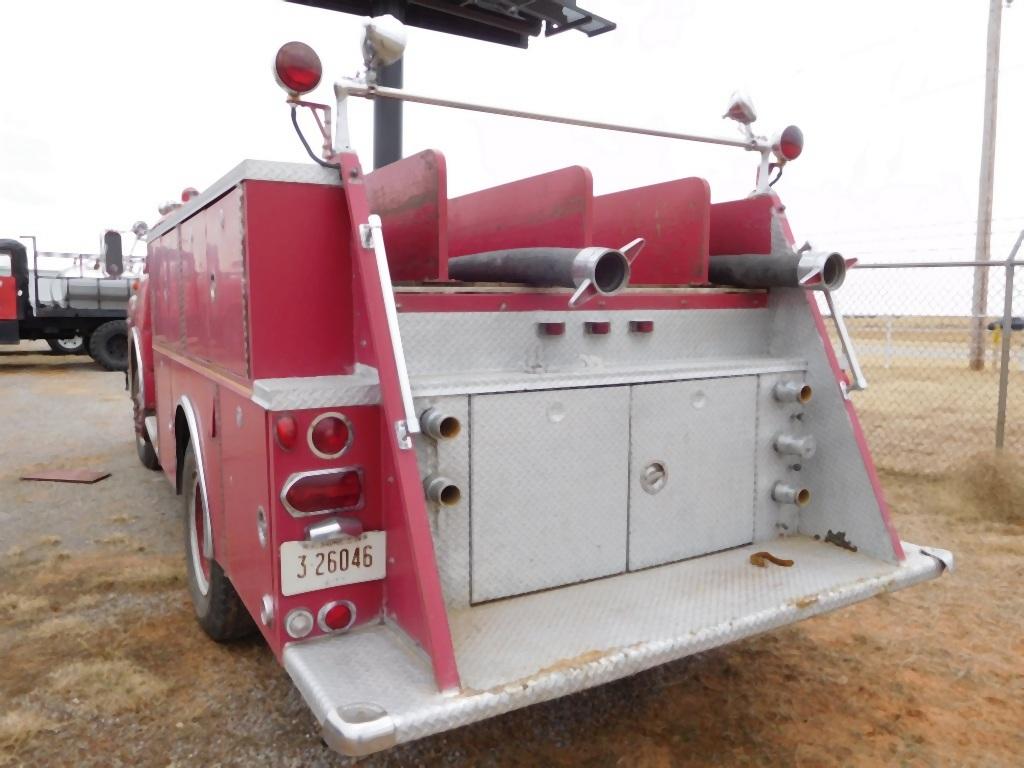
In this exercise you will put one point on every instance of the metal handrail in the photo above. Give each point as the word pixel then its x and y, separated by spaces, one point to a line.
pixel 355 88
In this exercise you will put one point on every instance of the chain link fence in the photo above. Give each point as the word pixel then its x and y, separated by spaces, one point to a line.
pixel 927 408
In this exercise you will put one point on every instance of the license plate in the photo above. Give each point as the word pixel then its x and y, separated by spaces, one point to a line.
pixel 308 566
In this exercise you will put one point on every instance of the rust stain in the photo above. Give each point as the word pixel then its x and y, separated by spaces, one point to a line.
pixel 839 539
pixel 806 602
pixel 761 560
pixel 562 665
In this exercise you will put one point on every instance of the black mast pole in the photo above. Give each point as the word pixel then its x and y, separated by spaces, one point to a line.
pixel 387 113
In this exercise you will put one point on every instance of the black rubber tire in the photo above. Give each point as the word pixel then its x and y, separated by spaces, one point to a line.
pixel 220 611
pixel 108 345
pixel 82 348
pixel 147 455
pixel 143 445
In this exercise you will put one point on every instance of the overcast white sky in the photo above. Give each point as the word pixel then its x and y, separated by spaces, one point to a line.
pixel 109 107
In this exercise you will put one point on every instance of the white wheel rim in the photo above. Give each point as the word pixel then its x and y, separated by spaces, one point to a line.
pixel 73 343
pixel 202 583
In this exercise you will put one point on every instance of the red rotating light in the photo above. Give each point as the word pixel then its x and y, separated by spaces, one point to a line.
pixel 287 432
pixel 791 143
pixel 297 68
pixel 329 436
pixel 188 193
pixel 337 616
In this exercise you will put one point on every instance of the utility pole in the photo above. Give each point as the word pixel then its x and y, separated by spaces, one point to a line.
pixel 983 242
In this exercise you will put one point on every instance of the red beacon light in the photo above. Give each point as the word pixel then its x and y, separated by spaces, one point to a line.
pixel 789 144
pixel 297 68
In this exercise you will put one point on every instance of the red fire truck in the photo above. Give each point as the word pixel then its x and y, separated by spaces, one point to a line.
pixel 455 456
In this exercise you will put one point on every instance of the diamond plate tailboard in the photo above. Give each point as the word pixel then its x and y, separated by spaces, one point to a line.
pixel 372 689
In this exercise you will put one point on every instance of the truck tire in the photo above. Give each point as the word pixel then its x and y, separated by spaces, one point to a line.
pixel 74 346
pixel 143 445
pixel 147 455
pixel 108 345
pixel 219 610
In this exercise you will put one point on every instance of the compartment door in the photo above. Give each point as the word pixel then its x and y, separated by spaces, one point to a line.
pixel 691 485
pixel 550 488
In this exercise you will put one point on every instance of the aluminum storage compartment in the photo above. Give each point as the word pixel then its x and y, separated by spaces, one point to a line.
pixel 691 485
pixel 549 476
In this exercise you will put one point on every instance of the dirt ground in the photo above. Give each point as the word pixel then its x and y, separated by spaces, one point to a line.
pixel 101 662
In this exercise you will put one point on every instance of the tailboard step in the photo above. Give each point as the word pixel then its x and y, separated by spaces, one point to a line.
pixel 371 689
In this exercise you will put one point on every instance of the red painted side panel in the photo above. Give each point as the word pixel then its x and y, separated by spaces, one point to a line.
pixel 164 267
pixel 742 226
pixel 299 274
pixel 195 288
pixel 226 265
pixel 412 588
pixel 411 198
pixel 673 217
pixel 363 454
pixel 245 479
pixel 553 209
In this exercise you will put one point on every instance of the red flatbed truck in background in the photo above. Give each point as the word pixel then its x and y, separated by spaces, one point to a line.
pixel 452 457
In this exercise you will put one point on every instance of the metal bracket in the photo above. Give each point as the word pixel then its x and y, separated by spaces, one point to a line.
pixel 859 382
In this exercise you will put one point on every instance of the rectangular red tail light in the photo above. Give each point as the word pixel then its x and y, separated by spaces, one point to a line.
pixel 323 491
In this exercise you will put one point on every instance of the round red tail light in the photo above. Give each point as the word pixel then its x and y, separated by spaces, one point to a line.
pixel 297 68
pixel 790 143
pixel 287 432
pixel 336 616
pixel 330 435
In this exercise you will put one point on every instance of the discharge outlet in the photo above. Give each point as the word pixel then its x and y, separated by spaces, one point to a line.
pixel 788 494
pixel 792 392
pixel 442 490
pixel 439 425
pixel 802 446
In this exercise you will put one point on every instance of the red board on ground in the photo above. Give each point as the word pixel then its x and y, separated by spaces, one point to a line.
pixel 673 217
pixel 68 475
pixel 553 209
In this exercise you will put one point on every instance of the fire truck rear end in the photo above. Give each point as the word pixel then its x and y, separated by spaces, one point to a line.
pixel 456 456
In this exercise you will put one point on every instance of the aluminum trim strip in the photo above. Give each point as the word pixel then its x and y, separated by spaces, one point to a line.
pixel 481 383
pixel 362 387
pixel 247 170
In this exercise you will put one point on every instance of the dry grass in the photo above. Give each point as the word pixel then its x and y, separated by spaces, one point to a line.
pixel 994 485
pixel 107 687
pixel 21 607
pixel 19 725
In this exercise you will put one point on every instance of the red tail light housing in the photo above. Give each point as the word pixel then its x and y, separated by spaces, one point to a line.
pixel 297 68
pixel 330 435
pixel 286 431
pixel 336 616
pixel 323 491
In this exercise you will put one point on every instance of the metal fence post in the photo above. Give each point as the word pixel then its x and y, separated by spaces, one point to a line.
pixel 1007 333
